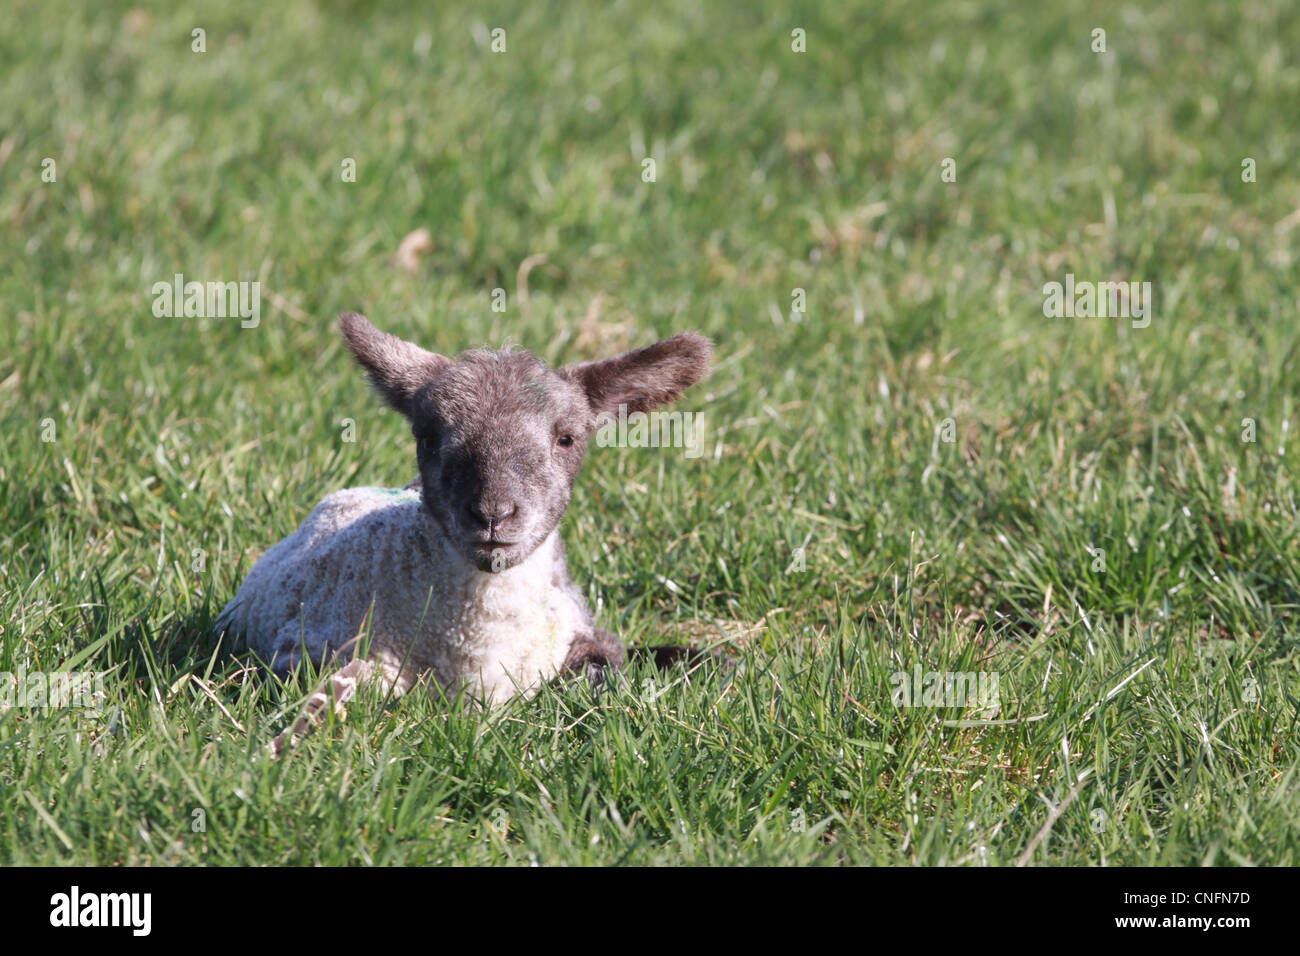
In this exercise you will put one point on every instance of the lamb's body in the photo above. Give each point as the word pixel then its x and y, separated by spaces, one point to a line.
pixel 462 582
pixel 435 614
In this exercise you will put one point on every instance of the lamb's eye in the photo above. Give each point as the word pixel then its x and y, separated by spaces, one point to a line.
pixel 429 442
pixel 564 441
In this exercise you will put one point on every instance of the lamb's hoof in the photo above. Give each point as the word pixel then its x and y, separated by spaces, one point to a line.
pixel 671 655
pixel 728 662
pixel 285 740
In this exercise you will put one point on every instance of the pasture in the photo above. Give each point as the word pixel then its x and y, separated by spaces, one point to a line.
pixel 1006 586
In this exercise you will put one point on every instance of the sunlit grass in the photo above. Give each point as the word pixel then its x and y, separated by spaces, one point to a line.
pixel 1097 533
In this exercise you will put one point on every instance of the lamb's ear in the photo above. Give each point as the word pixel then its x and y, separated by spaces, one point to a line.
pixel 654 375
pixel 397 368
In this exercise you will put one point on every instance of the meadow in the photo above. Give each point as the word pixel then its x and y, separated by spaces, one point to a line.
pixel 909 467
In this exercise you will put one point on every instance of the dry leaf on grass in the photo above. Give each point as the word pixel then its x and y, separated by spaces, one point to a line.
pixel 415 245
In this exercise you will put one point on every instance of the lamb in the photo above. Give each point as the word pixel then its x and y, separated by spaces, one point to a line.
pixel 459 579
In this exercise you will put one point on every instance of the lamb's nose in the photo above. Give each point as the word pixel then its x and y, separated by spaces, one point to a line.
pixel 491 513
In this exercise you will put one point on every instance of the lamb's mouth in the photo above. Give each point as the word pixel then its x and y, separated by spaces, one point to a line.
pixel 494 555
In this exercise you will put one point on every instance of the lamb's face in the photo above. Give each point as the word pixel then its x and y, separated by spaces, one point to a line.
pixel 500 435
pixel 500 438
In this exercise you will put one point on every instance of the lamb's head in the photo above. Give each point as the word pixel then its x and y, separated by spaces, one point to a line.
pixel 500 435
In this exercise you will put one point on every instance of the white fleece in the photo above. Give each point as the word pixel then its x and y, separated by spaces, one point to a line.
pixel 434 613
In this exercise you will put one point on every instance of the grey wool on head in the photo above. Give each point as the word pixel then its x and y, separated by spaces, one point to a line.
pixel 459 577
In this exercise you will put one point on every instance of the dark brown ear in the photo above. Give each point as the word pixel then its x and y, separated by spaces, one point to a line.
pixel 641 380
pixel 397 368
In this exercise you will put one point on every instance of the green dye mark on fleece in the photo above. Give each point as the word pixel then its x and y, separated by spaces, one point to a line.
pixel 399 494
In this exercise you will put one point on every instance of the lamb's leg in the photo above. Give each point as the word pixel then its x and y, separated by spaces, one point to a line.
pixel 670 655
pixel 600 652
pixel 340 687
pixel 593 654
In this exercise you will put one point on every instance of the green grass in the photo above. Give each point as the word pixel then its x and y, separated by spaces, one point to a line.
pixel 1161 691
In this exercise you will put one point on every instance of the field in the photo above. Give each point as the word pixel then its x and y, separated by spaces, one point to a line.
pixel 909 466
